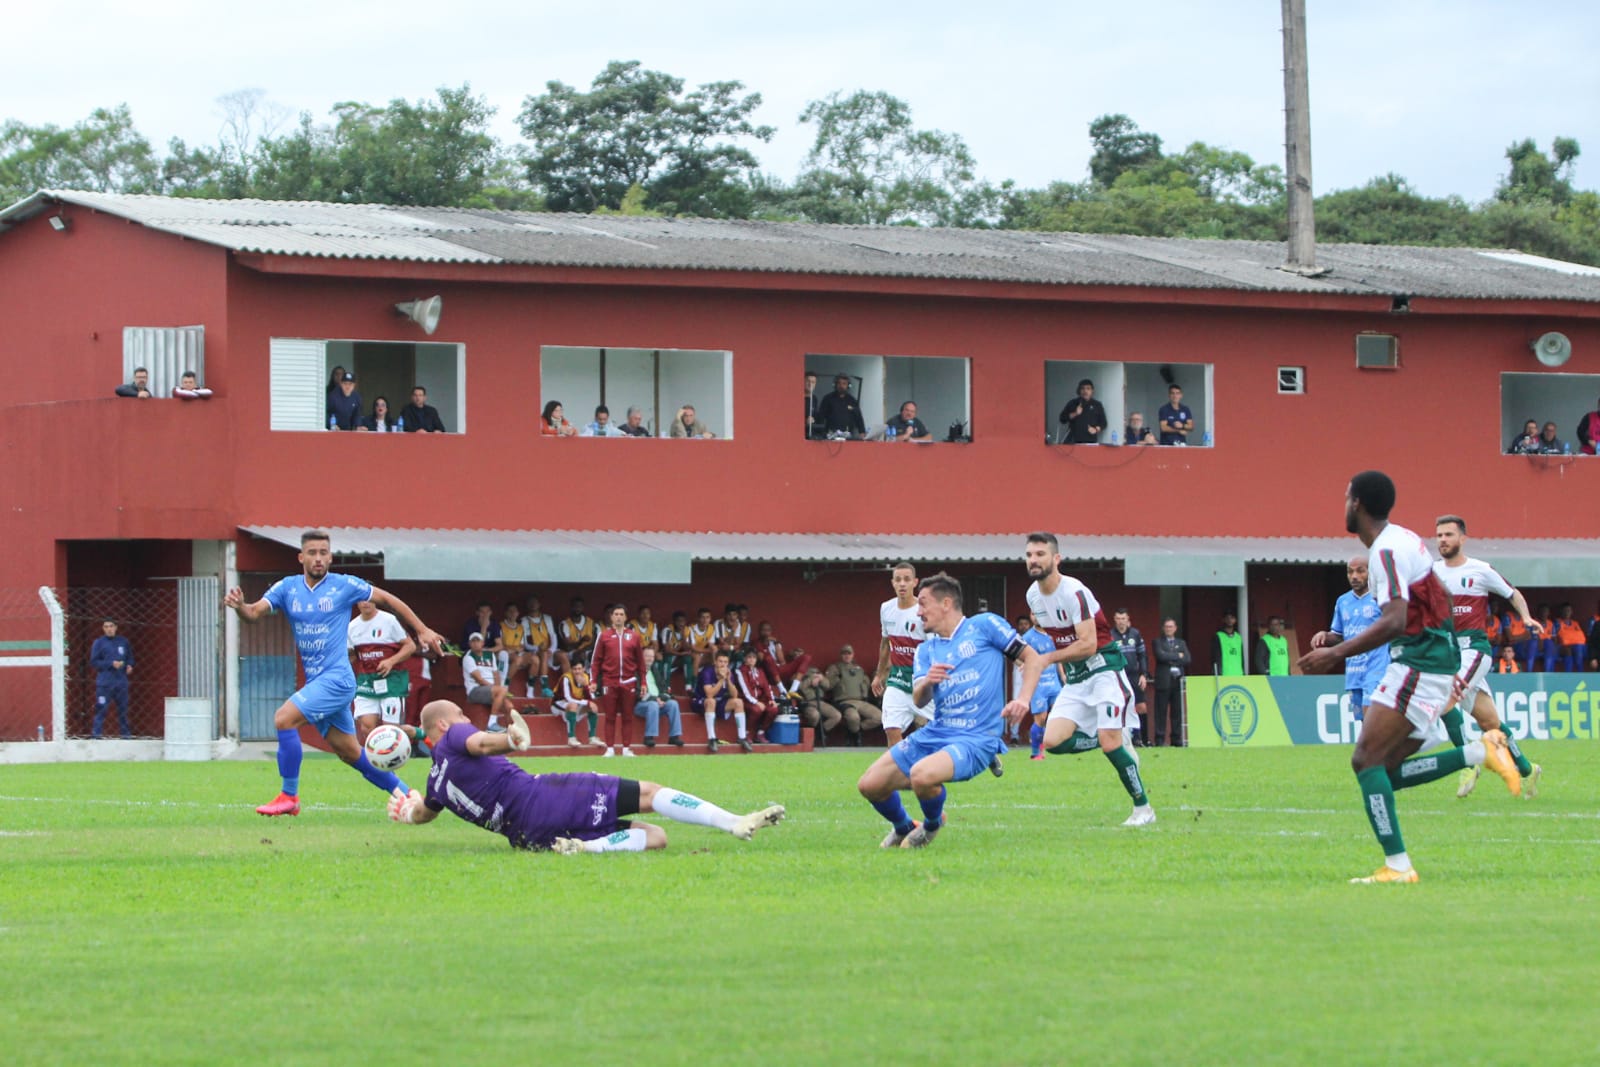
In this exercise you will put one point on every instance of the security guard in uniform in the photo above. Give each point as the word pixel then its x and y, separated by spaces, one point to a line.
pixel 850 690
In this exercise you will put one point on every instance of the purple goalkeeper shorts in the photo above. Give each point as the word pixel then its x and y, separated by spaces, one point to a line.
pixel 563 805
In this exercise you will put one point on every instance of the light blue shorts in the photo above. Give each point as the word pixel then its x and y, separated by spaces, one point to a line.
pixel 970 753
pixel 1042 699
pixel 325 702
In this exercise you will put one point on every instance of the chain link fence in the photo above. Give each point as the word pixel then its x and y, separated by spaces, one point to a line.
pixel 24 665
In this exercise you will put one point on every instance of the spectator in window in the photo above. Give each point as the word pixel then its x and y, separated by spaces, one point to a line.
pixel 1272 649
pixel 380 421
pixel 602 425
pixel 634 426
pixel 906 426
pixel 815 711
pixel 576 698
pixel 344 405
pixel 813 423
pixel 677 654
pixel 1175 418
pixel 420 416
pixel 1084 416
pixel 139 388
pixel 112 659
pixel 334 377
pixel 484 683
pixel 840 412
pixel 1549 443
pixel 1506 662
pixel 716 696
pixel 1525 443
pixel 577 632
pixel 1172 659
pixel 654 703
pixel 553 421
pixel 755 692
pixel 1589 431
pixel 539 642
pixel 783 670
pixel 1136 432
pixel 1569 640
pixel 850 690
pixel 687 424
pixel 188 387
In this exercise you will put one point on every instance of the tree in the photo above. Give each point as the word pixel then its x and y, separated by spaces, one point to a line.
pixel 103 154
pixel 869 165
pixel 1388 211
pixel 637 127
pixel 1119 146
pixel 1536 176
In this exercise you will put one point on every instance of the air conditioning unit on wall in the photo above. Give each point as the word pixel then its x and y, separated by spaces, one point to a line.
pixel 1292 381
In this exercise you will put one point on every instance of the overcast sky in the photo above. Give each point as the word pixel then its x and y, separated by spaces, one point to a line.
pixel 1428 89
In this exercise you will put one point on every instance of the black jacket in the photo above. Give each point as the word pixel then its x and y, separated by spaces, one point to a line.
pixel 1079 415
pixel 1172 660
pixel 841 413
pixel 413 418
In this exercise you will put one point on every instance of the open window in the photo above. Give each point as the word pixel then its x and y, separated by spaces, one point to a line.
pixel 657 381
pixel 1126 389
pixel 1564 399
pixel 302 369
pixel 939 386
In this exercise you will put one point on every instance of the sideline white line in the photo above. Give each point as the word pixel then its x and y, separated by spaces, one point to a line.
pixel 179 804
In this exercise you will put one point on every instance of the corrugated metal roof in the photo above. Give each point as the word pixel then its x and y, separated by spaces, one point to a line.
pixel 458 235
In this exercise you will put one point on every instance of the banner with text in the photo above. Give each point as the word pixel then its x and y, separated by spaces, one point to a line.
pixel 1300 710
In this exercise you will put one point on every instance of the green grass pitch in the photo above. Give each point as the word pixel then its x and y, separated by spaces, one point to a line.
pixel 147 916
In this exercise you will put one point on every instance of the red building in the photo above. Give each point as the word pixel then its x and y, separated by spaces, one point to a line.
pixel 1414 360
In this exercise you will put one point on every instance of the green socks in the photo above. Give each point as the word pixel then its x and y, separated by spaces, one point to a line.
pixel 594 726
pixel 1524 765
pixel 1453 721
pixel 1378 798
pixel 1128 771
pixel 572 722
pixel 1078 743
pixel 1429 768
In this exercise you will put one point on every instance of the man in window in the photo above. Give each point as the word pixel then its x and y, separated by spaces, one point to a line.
pixel 840 413
pixel 813 424
pixel 634 426
pixel 687 424
pixel 138 388
pixel 1084 416
pixel 188 388
pixel 602 425
pixel 420 416
pixel 344 405
pixel 906 426
pixel 1137 432
pixel 1175 417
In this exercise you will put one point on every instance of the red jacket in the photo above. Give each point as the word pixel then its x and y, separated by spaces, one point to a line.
pixel 753 684
pixel 616 660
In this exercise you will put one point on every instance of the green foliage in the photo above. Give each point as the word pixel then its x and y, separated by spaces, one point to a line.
pixel 103 154
pixel 637 127
pixel 1119 146
pixel 149 916
pixel 870 165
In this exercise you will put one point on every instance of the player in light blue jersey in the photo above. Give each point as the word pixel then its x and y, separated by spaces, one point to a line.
pixel 1353 612
pixel 1049 686
pixel 317 605
pixel 961 667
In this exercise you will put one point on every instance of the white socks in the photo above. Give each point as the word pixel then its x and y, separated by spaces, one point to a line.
pixel 1474 754
pixel 738 720
pixel 622 841
pixel 1399 862
pixel 681 807
pixel 494 720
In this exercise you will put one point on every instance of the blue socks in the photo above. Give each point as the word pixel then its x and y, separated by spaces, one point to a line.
pixel 1036 737
pixel 289 760
pixel 384 780
pixel 933 810
pixel 891 808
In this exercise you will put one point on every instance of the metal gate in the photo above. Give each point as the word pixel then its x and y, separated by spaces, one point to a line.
pixel 267 670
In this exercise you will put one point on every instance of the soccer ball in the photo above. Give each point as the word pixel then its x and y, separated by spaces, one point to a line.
pixel 388 747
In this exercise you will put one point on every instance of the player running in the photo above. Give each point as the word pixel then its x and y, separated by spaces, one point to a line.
pixel 1414 617
pixel 1353 612
pixel 1044 696
pixel 1091 711
pixel 1470 582
pixel 897 653
pixel 380 645
pixel 960 668
pixel 317 604
pixel 568 813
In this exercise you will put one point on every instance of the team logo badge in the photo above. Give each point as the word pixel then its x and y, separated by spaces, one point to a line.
pixel 1234 715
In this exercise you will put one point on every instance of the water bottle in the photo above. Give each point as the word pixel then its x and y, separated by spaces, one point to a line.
pixel 1566 448
pixel 888 433
pixel 1205 439
pixel 333 422
pixel 1113 437
pixel 400 424
pixel 41 732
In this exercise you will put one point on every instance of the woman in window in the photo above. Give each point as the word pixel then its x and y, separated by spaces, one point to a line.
pixel 334 379
pixel 553 423
pixel 379 421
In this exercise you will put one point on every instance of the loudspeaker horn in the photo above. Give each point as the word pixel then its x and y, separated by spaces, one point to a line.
pixel 424 313
pixel 1552 349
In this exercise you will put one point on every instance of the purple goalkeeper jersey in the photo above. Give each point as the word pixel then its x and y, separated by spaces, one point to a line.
pixel 530 810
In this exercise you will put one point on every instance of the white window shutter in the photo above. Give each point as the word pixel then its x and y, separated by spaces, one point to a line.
pixel 166 351
pixel 299 396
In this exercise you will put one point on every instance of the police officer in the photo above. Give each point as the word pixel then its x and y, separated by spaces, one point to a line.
pixel 815 711
pixel 850 690
pixel 1134 654
pixel 112 659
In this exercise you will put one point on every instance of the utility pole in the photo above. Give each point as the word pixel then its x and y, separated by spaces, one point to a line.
pixel 1297 141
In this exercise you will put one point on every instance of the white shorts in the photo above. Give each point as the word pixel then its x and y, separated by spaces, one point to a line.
pixel 1474 676
pixel 1100 702
pixel 1420 697
pixel 898 710
pixel 389 709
